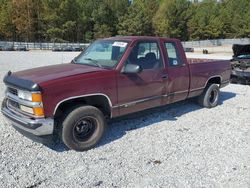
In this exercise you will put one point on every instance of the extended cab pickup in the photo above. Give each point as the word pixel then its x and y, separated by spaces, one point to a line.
pixel 111 78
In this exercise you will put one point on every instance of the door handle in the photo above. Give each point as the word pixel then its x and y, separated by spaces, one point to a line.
pixel 165 76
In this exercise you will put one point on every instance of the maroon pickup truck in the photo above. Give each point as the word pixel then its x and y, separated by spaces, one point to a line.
pixel 111 78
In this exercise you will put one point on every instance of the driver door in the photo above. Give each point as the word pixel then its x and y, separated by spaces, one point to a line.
pixel 143 90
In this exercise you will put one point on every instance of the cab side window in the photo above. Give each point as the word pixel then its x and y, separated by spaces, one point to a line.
pixel 146 54
pixel 173 55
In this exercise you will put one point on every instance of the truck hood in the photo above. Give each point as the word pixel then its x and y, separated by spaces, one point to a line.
pixel 29 79
pixel 43 74
pixel 239 49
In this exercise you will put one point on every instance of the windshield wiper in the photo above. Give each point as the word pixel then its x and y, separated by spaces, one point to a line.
pixel 94 62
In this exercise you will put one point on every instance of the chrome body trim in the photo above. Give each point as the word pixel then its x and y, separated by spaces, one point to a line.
pixel 200 88
pixel 214 77
pixel 225 83
pixel 179 92
pixel 125 105
pixel 38 127
pixel 17 110
pixel 196 89
pixel 23 102
pixel 81 96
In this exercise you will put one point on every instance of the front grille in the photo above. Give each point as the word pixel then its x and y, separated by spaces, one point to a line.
pixel 12 90
pixel 13 104
pixel 16 108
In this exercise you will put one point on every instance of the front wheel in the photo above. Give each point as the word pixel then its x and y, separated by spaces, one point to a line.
pixel 210 96
pixel 82 128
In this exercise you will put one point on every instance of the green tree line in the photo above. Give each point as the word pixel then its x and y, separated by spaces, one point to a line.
pixel 87 20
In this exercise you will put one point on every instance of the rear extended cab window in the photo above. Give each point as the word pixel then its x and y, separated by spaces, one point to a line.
pixel 174 59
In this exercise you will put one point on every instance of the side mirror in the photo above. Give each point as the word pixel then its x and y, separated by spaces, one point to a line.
pixel 131 69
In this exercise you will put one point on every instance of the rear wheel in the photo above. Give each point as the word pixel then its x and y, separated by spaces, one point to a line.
pixel 82 128
pixel 210 96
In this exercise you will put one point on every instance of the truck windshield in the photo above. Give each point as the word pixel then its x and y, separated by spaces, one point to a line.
pixel 102 53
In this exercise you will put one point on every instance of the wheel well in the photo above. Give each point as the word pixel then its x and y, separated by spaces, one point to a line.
pixel 98 101
pixel 214 80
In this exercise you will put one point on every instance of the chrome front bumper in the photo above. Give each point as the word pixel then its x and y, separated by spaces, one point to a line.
pixel 38 127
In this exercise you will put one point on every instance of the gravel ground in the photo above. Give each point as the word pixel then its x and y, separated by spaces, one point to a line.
pixel 180 145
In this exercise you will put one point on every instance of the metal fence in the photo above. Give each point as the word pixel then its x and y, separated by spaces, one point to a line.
pixel 193 44
pixel 217 42
pixel 41 46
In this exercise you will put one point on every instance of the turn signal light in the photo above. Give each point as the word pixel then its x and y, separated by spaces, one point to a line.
pixel 38 111
pixel 36 97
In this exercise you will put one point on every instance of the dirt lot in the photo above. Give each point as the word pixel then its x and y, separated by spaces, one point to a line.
pixel 180 145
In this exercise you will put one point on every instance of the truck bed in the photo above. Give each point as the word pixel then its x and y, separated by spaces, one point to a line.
pixel 197 60
pixel 203 69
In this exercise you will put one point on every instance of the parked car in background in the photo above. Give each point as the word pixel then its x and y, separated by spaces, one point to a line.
pixel 8 47
pixel 21 48
pixel 56 49
pixel 77 48
pixel 67 48
pixel 189 49
pixel 241 64
pixel 112 77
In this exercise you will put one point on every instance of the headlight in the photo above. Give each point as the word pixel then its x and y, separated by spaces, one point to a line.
pixel 24 95
pixel 34 97
pixel 27 109
pixel 37 111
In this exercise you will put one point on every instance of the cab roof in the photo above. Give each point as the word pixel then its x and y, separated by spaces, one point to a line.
pixel 131 38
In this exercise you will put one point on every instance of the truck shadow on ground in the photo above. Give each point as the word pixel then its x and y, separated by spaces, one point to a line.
pixel 118 127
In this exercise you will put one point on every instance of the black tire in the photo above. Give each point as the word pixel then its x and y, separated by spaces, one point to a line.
pixel 210 96
pixel 82 128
